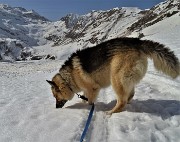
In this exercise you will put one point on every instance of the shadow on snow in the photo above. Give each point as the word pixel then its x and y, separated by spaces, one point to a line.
pixel 162 108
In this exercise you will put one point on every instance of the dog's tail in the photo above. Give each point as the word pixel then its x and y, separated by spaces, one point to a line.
pixel 164 59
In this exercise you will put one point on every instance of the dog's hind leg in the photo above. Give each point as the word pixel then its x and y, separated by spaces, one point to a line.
pixel 124 89
pixel 125 77
pixel 131 95
pixel 121 93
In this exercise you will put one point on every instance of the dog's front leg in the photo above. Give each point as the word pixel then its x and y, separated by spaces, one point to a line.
pixel 92 95
pixel 90 98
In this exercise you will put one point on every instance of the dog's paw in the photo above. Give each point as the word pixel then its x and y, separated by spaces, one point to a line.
pixel 109 113
pixel 90 102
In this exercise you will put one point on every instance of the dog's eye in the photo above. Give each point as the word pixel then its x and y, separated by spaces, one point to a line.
pixel 62 88
pixel 56 89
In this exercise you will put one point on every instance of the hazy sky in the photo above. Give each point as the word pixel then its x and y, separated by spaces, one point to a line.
pixel 55 9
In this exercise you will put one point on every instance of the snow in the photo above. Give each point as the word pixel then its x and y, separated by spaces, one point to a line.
pixel 27 107
pixel 163 6
pixel 28 113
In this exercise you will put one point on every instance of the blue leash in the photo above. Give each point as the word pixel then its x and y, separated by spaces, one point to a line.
pixel 90 113
pixel 87 123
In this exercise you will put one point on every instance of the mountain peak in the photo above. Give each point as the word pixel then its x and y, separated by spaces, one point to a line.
pixel 3 6
pixel 167 6
pixel 19 11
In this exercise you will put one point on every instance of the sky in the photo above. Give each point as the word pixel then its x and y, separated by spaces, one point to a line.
pixel 55 9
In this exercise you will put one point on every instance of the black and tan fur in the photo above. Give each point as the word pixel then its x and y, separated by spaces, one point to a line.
pixel 121 62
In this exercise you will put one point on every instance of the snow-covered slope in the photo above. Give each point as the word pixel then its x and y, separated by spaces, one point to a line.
pixel 98 26
pixel 156 14
pixel 12 49
pixel 94 27
pixel 28 113
pixel 19 23
pixel 22 26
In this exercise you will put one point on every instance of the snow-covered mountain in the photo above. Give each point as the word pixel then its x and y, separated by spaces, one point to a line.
pixel 156 14
pixel 93 27
pixel 18 25
pixel 98 26
pixel 13 49
pixel 82 30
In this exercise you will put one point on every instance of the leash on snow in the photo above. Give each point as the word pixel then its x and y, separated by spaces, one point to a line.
pixel 87 123
pixel 90 113
pixel 88 120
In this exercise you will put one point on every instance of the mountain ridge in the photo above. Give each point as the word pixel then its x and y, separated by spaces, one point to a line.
pixel 31 29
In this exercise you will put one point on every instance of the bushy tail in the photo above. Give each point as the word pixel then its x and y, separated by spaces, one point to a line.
pixel 164 59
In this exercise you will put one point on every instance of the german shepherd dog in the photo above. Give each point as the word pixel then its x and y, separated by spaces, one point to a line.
pixel 121 62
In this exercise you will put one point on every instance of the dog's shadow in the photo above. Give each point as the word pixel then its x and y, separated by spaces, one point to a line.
pixel 163 108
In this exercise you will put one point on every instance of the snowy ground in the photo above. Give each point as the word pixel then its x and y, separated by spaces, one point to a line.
pixel 28 113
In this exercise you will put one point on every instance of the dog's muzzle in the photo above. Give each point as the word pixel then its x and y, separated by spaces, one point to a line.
pixel 60 104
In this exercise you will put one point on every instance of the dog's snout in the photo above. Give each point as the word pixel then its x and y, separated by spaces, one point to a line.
pixel 60 104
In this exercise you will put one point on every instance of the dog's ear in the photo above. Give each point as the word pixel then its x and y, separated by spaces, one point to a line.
pixel 51 83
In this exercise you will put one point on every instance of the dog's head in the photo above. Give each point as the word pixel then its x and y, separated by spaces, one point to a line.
pixel 60 90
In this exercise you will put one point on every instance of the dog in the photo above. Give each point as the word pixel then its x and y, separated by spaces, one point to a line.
pixel 120 62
